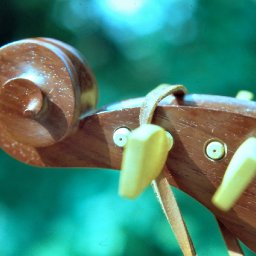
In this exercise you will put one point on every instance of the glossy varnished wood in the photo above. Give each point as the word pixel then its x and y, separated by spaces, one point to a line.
pixel 46 91
pixel 45 87
pixel 192 122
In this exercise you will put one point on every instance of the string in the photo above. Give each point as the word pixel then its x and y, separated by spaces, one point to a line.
pixel 160 185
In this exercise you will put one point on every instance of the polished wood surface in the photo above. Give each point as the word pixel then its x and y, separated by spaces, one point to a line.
pixel 56 132
pixel 49 77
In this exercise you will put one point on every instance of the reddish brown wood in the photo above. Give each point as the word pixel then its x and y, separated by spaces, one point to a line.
pixel 192 126
pixel 86 82
pixel 193 121
pixel 55 73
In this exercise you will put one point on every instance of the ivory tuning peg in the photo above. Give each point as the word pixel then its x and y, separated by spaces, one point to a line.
pixel 238 176
pixel 44 87
pixel 144 156
pixel 245 95
pixel 241 170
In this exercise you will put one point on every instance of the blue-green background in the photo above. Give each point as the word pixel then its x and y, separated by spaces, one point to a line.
pixel 132 46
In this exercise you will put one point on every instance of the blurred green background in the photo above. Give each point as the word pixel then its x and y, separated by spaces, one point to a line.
pixel 132 46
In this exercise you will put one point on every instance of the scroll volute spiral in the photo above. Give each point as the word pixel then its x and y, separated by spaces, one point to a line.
pixel 44 87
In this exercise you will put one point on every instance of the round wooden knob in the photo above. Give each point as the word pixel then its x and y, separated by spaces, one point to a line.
pixel 44 88
pixel 20 97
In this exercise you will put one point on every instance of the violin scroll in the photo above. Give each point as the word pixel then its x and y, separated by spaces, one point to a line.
pixel 44 87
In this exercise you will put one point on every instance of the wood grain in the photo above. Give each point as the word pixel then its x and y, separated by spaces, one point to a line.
pixel 63 84
pixel 193 122
pixel 58 132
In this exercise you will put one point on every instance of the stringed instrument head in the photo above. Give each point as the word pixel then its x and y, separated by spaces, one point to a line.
pixel 47 93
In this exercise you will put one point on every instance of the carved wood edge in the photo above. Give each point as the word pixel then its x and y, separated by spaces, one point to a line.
pixel 192 122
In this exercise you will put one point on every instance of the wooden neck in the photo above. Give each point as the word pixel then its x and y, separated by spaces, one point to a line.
pixel 193 121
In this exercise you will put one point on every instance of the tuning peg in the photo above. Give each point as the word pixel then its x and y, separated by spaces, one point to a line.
pixel 241 170
pixel 239 174
pixel 144 156
pixel 245 95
